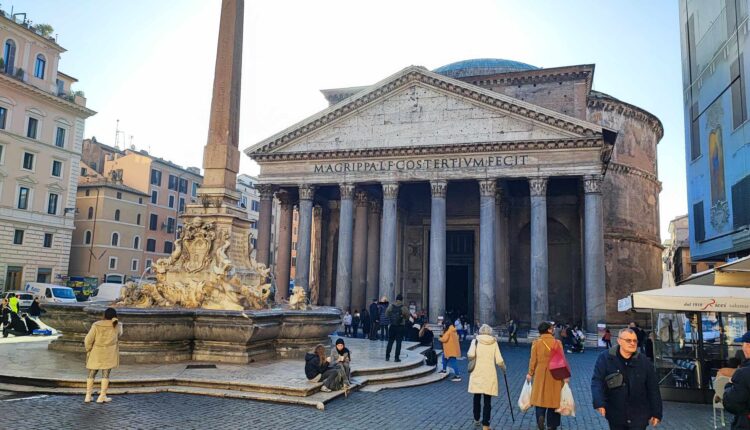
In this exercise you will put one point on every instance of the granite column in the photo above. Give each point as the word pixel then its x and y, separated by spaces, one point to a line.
pixel 263 247
pixel 487 251
pixel 388 241
pixel 502 273
pixel 344 263
pixel 437 250
pixel 373 251
pixel 304 230
pixel 539 252
pixel 359 253
pixel 594 286
pixel 284 254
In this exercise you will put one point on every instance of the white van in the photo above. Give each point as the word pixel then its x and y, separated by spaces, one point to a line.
pixel 51 293
pixel 107 292
pixel 114 278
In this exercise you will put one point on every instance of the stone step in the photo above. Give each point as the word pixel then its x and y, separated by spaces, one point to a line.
pixel 404 375
pixel 424 380
pixel 409 360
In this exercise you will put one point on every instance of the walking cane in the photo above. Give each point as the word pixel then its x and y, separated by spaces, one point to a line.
pixel 507 391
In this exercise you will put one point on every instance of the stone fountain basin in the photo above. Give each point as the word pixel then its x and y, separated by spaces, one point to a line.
pixel 166 335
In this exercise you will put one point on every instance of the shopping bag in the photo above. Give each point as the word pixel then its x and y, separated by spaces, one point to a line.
pixel 524 402
pixel 558 365
pixel 567 404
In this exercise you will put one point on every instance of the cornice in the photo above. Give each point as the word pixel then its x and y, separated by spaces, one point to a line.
pixel 632 238
pixel 605 102
pixel 461 148
pixel 412 75
pixel 534 76
pixel 23 86
pixel 630 170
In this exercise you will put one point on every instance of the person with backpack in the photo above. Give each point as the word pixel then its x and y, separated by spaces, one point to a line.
pixel 384 321
pixel 545 388
pixel 484 353
pixel 397 315
pixel 355 323
pixel 374 319
pixel 736 398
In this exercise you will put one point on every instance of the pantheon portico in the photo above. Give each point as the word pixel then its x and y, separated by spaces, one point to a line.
pixel 452 192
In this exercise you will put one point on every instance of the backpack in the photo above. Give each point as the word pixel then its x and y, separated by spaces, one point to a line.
pixel 431 357
pixel 396 315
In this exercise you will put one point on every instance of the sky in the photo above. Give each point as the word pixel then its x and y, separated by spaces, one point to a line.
pixel 150 63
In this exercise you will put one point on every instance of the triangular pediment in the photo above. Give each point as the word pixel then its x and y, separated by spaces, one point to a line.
pixel 418 108
pixel 55 186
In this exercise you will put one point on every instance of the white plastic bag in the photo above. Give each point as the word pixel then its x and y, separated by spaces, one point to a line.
pixel 567 404
pixel 524 402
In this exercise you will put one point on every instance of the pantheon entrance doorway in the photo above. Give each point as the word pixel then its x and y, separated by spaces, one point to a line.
pixel 459 279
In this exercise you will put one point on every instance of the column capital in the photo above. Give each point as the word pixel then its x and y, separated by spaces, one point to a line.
pixel 306 192
pixel 592 184
pixel 266 191
pixel 317 211
pixel 538 186
pixel 285 198
pixel 375 207
pixel 361 198
pixel 487 187
pixel 390 190
pixel 347 191
pixel 439 188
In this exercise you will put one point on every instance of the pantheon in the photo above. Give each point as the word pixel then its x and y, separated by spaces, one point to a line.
pixel 487 187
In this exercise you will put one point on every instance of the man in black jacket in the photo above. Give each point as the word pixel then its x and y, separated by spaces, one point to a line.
pixel 624 387
pixel 736 397
pixel 398 315
pixel 374 319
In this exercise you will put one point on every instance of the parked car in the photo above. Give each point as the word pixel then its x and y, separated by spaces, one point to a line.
pixel 24 301
pixel 51 293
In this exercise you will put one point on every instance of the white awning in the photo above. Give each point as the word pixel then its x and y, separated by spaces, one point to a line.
pixel 688 297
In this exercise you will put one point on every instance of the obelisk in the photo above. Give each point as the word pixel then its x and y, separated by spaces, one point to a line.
pixel 218 196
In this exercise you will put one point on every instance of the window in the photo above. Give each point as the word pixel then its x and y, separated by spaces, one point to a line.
pixel 113 262
pixel 153 222
pixel 28 161
pixel 117 214
pixel 87 237
pixel 31 128
pixel 167 247
pixel 115 239
pixel 294 261
pixel 44 275
pixel 254 242
pixel 195 189
pixel 52 204
pixel 170 201
pixel 136 242
pixel 140 200
pixel 18 237
pixel 2 151
pixel 23 198
pixel 47 240
pixel 710 267
pixel 254 224
pixel 183 185
pixel 255 206
pixel 90 215
pixel 170 225
pixel 182 204
pixel 119 195
pixel 741 203
pixel 57 168
pixel 134 265
pixel 60 137
pixel 3 117
pixel 138 219
pixel 148 263
pixel 9 55
pixel 151 245
pixel 60 85
pixel 693 268
pixel 172 184
pixel 39 66
pixel 88 192
pixel 154 196
pixel 294 245
pixel 155 177
pixel 698 224
pixel 243 201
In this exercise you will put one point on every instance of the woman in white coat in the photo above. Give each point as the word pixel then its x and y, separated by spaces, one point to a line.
pixel 483 379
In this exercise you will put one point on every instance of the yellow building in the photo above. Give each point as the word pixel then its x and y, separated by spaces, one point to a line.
pixel 41 130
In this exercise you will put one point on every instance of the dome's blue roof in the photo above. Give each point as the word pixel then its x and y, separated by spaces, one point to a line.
pixel 482 67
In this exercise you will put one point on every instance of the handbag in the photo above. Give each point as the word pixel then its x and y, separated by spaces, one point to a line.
pixel 473 361
pixel 558 365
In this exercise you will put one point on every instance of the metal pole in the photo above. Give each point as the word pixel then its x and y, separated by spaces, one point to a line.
pixel 507 391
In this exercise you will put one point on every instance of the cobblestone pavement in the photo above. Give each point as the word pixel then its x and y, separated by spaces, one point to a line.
pixel 443 405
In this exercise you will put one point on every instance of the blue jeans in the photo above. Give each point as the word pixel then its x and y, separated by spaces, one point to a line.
pixel 452 363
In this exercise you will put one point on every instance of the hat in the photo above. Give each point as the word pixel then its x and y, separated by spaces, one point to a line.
pixel 399 297
pixel 745 337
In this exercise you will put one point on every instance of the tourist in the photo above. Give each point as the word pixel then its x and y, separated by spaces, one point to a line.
pixel 365 321
pixel 733 364
pixel 459 329
pixel 607 338
pixel 513 332
pixel 318 369
pixel 35 310
pixel 545 389
pixel 624 386
pixel 340 356
pixel 347 324
pixel 13 302
pixel 483 379
pixel 397 315
pixel 736 397
pixel 649 345
pixel 414 325
pixel 15 325
pixel 355 323
pixel 374 319
pixel 5 316
pixel 31 325
pixel 425 337
pixel 451 350
pixel 102 353
pixel 384 322
pixel 640 334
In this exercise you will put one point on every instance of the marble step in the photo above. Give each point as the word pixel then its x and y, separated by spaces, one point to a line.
pixel 403 375
pixel 424 380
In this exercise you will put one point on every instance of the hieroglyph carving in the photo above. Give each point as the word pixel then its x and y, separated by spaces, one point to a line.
pixel 200 274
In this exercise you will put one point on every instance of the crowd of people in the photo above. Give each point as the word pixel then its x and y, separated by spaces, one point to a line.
pixel 17 323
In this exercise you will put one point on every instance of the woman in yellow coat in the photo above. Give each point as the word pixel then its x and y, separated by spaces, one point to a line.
pixel 483 379
pixel 545 390
pixel 102 353
pixel 451 349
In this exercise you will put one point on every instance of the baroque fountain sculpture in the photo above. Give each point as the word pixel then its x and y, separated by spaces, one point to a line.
pixel 199 274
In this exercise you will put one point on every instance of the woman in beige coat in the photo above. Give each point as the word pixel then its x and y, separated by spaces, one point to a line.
pixel 545 390
pixel 102 352
pixel 483 379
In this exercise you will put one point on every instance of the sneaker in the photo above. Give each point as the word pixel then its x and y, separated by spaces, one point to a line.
pixel 442 371
pixel 325 389
pixel 477 423
pixel 456 379
pixel 398 360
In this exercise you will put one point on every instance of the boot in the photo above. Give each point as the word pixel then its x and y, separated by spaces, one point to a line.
pixel 540 423
pixel 103 393
pixel 89 389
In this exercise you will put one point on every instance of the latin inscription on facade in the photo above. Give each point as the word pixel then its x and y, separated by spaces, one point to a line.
pixel 425 164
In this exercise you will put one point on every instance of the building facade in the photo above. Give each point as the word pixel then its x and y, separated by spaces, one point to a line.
pixel 41 130
pixel 488 187
pixel 250 202
pixel 715 81
pixel 677 259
